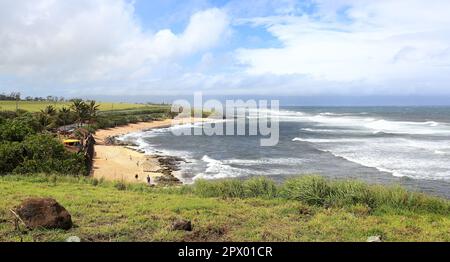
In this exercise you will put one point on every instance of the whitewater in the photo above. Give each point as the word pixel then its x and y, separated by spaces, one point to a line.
pixel 397 145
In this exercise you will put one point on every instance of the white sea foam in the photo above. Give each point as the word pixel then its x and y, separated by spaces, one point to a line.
pixel 363 123
pixel 399 156
pixel 265 161
pixel 216 169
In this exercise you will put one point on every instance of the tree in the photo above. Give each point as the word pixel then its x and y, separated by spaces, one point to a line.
pixel 64 115
pixel 47 117
pixel 81 110
pixel 93 108
pixel 49 110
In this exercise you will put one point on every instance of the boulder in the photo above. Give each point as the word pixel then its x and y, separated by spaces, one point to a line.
pixel 183 225
pixel 44 213
pixel 73 239
pixel 374 239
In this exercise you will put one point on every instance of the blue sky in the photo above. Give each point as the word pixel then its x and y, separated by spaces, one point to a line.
pixel 142 48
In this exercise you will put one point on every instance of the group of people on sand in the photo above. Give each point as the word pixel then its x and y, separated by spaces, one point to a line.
pixel 149 180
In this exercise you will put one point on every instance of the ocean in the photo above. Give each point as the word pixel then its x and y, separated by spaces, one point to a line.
pixel 408 146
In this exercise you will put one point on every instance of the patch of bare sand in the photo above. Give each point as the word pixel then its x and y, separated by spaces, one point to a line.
pixel 119 163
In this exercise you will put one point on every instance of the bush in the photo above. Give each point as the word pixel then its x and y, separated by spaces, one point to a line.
pixel 39 154
pixel 95 182
pixel 121 186
pixel 11 155
pixel 15 130
pixel 8 114
pixel 43 147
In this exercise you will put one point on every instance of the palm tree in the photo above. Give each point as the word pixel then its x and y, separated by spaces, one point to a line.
pixel 64 114
pixel 81 110
pixel 49 110
pixel 46 116
pixel 93 108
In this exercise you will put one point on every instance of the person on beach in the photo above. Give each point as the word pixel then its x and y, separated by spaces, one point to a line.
pixel 149 182
pixel 137 177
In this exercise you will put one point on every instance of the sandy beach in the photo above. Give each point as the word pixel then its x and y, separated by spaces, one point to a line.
pixel 116 162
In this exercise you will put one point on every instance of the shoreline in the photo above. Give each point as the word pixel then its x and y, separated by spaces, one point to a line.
pixel 120 162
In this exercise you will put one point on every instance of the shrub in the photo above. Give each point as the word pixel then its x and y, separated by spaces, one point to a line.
pixel 15 130
pixel 39 154
pixel 121 186
pixel 8 114
pixel 43 147
pixel 95 182
pixel 11 155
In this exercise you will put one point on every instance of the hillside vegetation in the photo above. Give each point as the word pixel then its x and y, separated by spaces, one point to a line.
pixel 302 209
pixel 36 106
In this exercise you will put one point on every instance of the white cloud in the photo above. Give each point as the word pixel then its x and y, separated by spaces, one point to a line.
pixel 373 43
pixel 343 47
pixel 85 41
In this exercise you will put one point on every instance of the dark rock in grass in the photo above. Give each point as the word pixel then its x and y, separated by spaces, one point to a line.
pixel 183 225
pixel 44 213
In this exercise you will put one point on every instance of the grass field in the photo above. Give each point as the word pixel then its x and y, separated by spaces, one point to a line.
pixel 102 212
pixel 34 106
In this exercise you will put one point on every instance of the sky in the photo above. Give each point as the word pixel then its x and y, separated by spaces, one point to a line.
pixel 144 48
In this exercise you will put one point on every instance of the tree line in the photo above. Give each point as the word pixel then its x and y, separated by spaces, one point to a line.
pixel 16 96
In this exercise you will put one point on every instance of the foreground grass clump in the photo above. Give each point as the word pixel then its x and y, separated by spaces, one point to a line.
pixel 254 210
pixel 318 191
pixel 257 187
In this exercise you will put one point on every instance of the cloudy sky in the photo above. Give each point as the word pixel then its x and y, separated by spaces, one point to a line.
pixel 260 47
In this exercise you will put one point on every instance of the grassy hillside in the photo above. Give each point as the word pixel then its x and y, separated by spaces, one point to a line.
pixel 35 106
pixel 228 211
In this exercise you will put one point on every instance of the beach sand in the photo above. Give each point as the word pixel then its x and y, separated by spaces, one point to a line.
pixel 119 163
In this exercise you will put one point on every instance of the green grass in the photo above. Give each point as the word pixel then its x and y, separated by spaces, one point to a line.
pixel 257 210
pixel 35 106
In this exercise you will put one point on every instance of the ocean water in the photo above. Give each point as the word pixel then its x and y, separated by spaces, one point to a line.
pixel 409 146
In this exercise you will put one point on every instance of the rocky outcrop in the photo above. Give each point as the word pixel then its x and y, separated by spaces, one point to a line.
pixel 113 141
pixel 44 213
pixel 167 180
pixel 168 165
